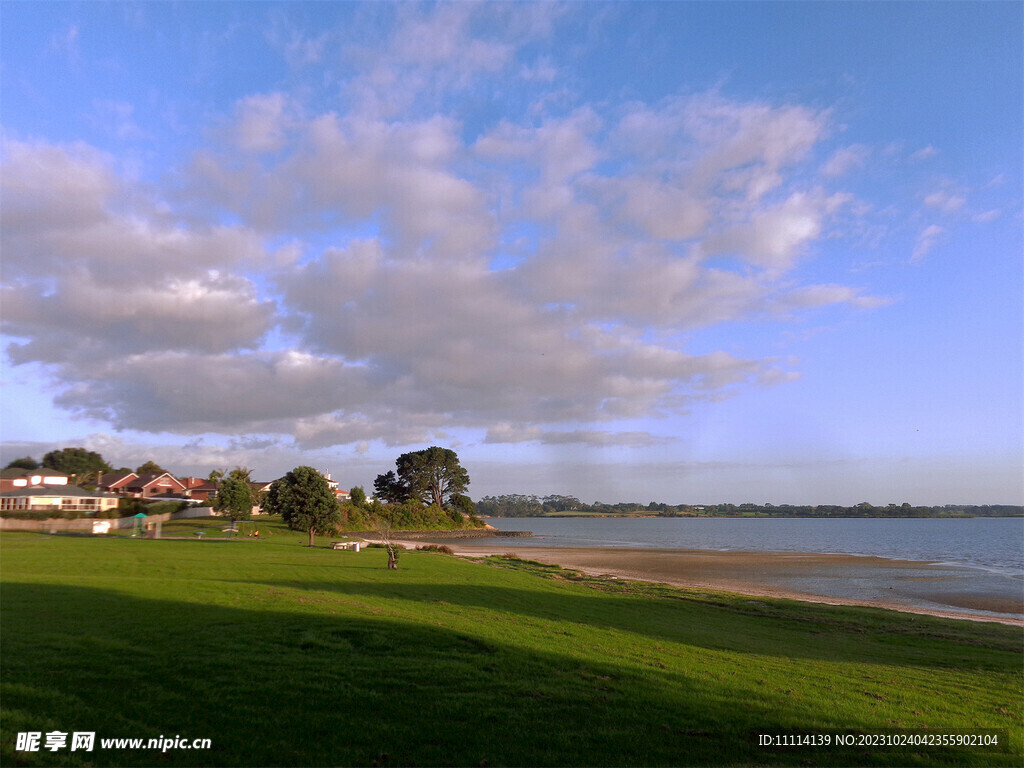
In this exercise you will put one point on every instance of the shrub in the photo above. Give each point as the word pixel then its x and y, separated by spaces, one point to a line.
pixel 443 549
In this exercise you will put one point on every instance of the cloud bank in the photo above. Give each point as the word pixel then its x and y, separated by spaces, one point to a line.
pixel 383 267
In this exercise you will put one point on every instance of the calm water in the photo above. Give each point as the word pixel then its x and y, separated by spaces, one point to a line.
pixel 971 565
pixel 991 544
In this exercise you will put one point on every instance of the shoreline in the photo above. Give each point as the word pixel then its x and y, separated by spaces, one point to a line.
pixel 871 581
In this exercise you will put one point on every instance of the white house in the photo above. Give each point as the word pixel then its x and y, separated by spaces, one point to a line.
pixel 56 498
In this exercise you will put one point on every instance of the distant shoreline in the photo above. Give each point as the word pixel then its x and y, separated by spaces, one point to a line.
pixel 585 515
pixel 909 586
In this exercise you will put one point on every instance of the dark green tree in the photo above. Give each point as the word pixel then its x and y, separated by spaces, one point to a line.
pixel 234 499
pixel 463 507
pixel 357 496
pixel 305 502
pixel 26 462
pixel 388 488
pixel 149 468
pixel 75 461
pixel 432 475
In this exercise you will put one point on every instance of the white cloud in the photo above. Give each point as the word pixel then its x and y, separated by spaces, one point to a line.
pixel 261 122
pixel 157 321
pixel 986 216
pixel 927 239
pixel 925 153
pixel 773 237
pixel 845 159
pixel 945 201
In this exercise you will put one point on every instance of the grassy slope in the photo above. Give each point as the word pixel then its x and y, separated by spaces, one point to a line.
pixel 288 656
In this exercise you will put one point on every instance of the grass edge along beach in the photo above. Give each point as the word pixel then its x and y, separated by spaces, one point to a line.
pixel 285 655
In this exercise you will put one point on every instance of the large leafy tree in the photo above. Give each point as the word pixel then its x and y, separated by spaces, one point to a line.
pixel 433 475
pixel 149 468
pixel 305 502
pixel 76 462
pixel 26 462
pixel 234 499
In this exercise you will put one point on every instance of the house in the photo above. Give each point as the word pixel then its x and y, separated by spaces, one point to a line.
pixel 153 485
pixel 114 482
pixel 200 489
pixel 205 491
pixel 339 494
pixel 13 478
pixel 58 498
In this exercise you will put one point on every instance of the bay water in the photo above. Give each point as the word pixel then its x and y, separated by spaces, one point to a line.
pixel 966 563
pixel 991 543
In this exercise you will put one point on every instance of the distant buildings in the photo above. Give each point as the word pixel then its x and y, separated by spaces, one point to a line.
pixel 45 489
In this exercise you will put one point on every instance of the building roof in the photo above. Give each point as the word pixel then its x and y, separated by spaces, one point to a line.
pixel 65 491
pixel 15 473
pixel 151 477
pixel 114 478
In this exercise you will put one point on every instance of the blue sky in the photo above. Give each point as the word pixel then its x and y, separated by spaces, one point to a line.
pixel 683 252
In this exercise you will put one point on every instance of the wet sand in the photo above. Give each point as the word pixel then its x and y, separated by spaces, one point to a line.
pixel 916 587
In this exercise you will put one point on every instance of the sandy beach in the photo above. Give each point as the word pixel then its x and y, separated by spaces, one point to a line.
pixel 909 586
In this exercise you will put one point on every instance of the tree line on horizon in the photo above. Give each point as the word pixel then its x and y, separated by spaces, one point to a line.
pixel 428 490
pixel 79 463
pixel 521 505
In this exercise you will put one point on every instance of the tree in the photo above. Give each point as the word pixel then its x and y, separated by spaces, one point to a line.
pixel 390 489
pixel 234 499
pixel 215 476
pixel 75 461
pixel 357 496
pixel 383 526
pixel 150 468
pixel 26 462
pixel 305 502
pixel 463 508
pixel 432 475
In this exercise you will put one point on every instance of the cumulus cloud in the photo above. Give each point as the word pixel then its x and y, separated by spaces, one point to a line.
pixel 508 433
pixel 261 122
pixel 329 275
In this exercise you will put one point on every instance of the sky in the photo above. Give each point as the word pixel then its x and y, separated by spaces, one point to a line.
pixel 678 252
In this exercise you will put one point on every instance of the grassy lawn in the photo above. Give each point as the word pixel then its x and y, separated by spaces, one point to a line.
pixel 283 655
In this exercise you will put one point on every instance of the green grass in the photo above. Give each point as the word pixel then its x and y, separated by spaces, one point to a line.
pixel 284 655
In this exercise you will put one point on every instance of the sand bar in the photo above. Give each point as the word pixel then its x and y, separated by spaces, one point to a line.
pixel 903 585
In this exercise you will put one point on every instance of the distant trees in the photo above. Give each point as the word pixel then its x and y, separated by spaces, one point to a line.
pixel 357 496
pixel 305 502
pixel 76 462
pixel 433 476
pixel 518 505
pixel 26 462
pixel 149 468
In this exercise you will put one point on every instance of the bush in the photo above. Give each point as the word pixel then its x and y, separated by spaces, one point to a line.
pixel 443 549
